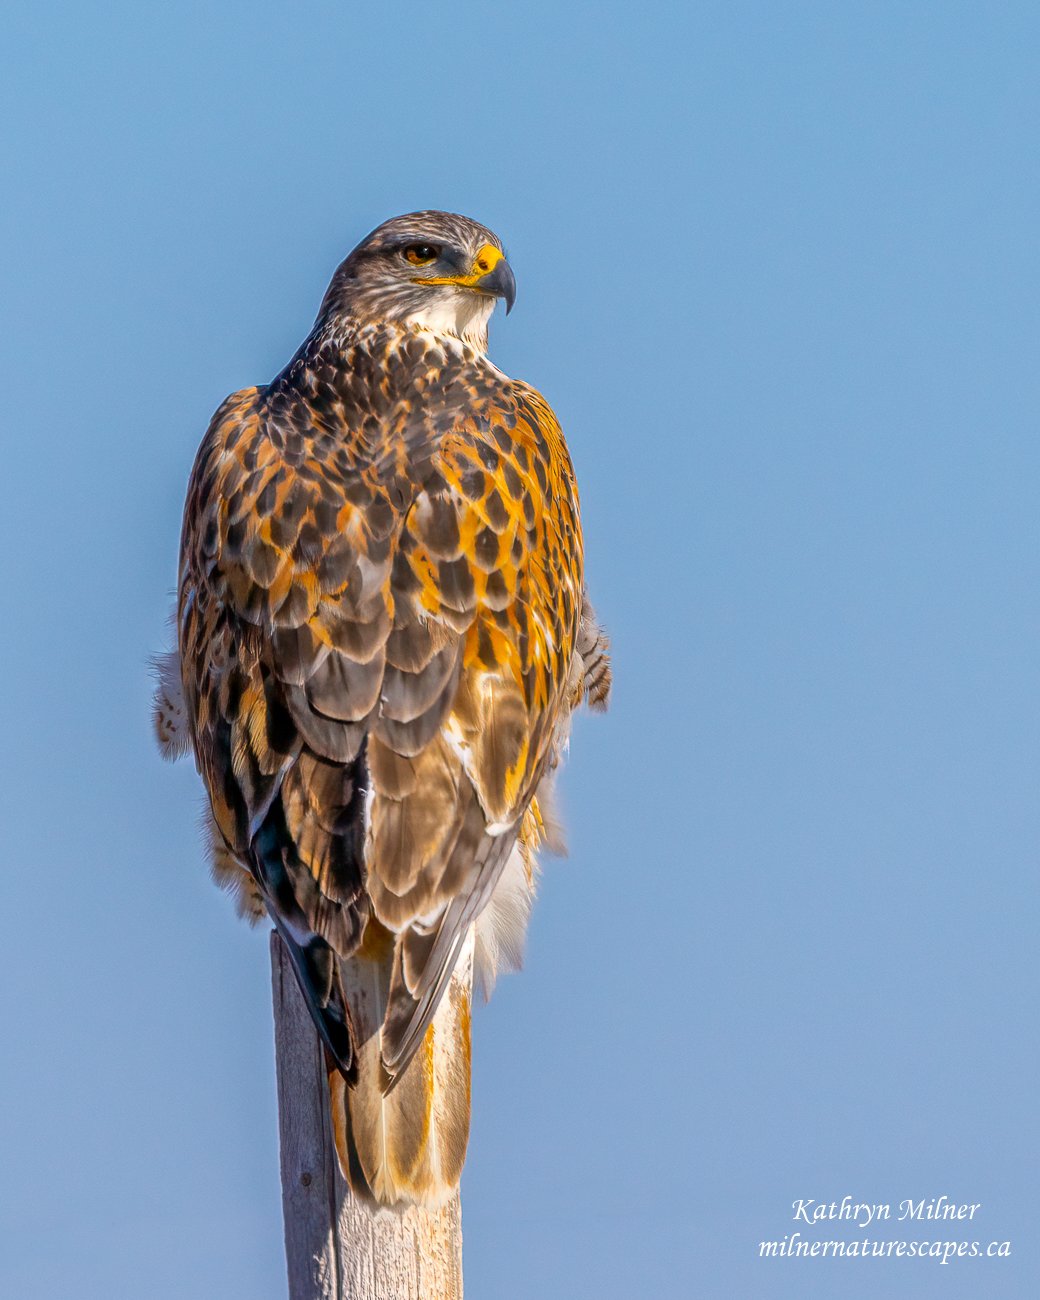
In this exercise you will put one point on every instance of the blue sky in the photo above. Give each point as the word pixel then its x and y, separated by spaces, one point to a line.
pixel 777 269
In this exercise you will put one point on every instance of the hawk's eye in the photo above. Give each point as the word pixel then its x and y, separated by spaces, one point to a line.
pixel 421 254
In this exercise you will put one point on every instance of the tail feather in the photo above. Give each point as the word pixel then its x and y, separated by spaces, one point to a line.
pixel 403 1144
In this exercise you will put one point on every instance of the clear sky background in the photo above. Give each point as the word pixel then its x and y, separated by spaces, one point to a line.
pixel 778 274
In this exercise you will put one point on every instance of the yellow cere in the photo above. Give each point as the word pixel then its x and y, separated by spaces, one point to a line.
pixel 487 258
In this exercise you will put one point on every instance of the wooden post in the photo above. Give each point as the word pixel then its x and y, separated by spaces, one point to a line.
pixel 336 1248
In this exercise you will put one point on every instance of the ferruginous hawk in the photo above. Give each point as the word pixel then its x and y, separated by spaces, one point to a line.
pixel 382 630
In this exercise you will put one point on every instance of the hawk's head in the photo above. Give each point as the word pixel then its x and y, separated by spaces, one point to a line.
pixel 433 269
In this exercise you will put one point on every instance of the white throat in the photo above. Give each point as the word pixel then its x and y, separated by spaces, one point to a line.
pixel 462 314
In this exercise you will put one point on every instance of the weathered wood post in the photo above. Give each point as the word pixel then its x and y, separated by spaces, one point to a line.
pixel 335 1248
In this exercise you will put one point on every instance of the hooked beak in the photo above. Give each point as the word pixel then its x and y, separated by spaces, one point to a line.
pixel 490 274
pixel 499 281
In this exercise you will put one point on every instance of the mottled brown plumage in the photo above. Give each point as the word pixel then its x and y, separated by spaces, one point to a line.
pixel 382 630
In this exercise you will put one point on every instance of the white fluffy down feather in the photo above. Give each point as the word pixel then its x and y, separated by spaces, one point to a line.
pixel 170 716
pixel 500 929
